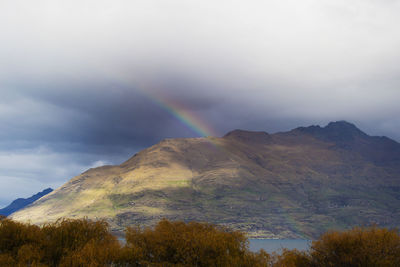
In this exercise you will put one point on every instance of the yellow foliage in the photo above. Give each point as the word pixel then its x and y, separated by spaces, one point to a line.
pixel 7 260
pixel 94 255
pixel 191 244
pixel 81 243
pixel 358 247
pixel 291 258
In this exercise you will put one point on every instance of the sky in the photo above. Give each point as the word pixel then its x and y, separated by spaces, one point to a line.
pixel 92 82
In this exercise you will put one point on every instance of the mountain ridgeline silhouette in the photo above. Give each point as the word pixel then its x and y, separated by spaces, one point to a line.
pixel 21 203
pixel 292 184
pixel 347 136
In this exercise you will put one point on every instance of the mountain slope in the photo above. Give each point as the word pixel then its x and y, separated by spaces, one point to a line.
pixel 293 184
pixel 21 203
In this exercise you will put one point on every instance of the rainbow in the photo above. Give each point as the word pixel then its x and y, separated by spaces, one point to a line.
pixel 182 114
pixel 191 120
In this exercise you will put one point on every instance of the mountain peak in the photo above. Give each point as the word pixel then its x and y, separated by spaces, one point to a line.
pixel 334 131
pixel 343 130
pixel 342 126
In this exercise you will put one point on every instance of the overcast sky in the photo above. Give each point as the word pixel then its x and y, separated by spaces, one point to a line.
pixel 79 80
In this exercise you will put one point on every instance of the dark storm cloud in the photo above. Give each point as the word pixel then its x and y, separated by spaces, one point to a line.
pixel 79 80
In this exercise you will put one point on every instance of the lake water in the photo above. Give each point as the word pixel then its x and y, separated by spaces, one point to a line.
pixel 270 245
pixel 276 245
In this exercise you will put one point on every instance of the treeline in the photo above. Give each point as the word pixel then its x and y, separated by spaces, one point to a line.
pixel 89 243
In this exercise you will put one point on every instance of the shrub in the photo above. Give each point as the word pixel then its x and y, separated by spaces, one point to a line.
pixel 191 244
pixel 66 237
pixel 57 243
pixel 94 254
pixel 357 247
pixel 81 243
pixel 14 235
pixel 6 260
pixel 291 258
pixel 89 243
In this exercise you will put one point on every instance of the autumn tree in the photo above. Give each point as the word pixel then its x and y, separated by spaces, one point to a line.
pixel 357 247
pixel 291 258
pixel 190 244
pixel 82 242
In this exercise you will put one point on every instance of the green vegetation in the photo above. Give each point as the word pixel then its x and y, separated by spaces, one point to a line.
pixel 90 243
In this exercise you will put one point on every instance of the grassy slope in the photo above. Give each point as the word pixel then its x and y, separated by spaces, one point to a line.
pixel 284 185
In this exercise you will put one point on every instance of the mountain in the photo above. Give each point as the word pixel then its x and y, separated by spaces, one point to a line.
pixel 292 184
pixel 21 203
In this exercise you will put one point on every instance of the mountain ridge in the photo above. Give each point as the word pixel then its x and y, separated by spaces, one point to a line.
pixel 21 203
pixel 292 184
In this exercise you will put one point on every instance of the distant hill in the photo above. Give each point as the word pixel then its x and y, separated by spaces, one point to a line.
pixel 292 184
pixel 21 203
